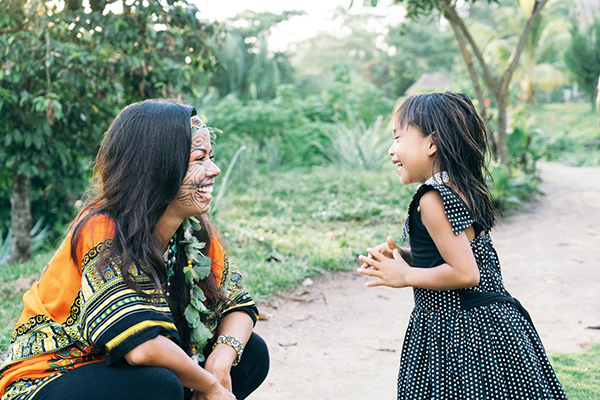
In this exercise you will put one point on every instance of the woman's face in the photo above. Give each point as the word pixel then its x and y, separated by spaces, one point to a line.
pixel 194 195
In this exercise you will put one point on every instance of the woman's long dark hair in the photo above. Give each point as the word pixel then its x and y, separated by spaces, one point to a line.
pixel 460 137
pixel 138 171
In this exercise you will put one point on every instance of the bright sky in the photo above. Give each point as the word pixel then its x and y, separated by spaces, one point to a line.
pixel 318 15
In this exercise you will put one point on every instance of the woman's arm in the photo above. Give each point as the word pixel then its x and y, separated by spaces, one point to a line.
pixel 162 352
pixel 239 325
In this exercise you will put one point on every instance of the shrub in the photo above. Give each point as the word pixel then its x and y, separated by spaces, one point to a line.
pixel 357 146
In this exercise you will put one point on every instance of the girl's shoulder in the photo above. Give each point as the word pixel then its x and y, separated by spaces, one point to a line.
pixel 456 209
pixel 436 196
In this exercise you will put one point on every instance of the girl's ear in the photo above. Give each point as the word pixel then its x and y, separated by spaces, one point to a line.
pixel 431 147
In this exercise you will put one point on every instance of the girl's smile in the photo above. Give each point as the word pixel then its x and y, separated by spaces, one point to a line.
pixel 412 153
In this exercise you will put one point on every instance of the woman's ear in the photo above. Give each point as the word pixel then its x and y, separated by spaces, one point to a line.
pixel 431 147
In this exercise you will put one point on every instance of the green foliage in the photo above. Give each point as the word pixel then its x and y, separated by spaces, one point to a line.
pixel 358 146
pixel 414 48
pixel 583 58
pixel 573 135
pixel 579 373
pixel 39 233
pixel 248 68
pixel 420 8
pixel 574 119
pixel 510 189
pixel 527 145
pixel 225 181
pixel 65 73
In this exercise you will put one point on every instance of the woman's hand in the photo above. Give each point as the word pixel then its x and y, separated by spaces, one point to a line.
pixel 216 392
pixel 219 363
pixel 389 271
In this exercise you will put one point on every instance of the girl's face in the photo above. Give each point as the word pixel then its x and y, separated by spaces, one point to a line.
pixel 194 195
pixel 412 153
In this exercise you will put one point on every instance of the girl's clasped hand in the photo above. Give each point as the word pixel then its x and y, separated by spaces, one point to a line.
pixel 386 264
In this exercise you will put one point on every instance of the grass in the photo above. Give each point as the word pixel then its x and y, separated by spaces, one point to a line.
pixel 284 227
pixel 573 127
pixel 577 119
pixel 15 279
pixel 579 373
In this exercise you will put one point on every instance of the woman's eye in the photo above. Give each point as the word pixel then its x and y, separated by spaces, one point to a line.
pixel 212 157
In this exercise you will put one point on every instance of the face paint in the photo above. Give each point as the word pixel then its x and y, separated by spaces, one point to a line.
pixel 194 195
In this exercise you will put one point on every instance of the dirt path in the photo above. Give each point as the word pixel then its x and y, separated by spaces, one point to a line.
pixel 336 339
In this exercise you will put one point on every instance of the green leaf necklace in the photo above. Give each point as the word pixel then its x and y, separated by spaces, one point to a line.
pixel 198 268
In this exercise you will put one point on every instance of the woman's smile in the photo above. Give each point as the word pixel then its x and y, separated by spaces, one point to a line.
pixel 204 192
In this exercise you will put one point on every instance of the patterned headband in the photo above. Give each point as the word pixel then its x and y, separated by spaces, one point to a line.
pixel 196 123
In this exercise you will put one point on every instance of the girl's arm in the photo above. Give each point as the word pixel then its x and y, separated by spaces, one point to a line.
pixel 459 271
pixel 162 352
pixel 239 325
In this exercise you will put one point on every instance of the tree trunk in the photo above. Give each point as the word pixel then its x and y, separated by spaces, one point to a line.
pixel 478 92
pixel 502 124
pixel 20 218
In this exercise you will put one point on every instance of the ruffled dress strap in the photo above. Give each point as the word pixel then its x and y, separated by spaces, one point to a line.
pixel 457 211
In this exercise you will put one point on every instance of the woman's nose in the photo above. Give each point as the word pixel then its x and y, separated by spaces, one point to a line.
pixel 213 170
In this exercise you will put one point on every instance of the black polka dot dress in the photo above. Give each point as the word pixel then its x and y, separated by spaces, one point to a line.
pixel 488 351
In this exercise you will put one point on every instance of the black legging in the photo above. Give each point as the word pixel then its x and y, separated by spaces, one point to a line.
pixel 121 381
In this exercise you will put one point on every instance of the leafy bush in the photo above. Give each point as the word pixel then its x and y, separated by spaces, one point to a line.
pixel 509 191
pixel 356 145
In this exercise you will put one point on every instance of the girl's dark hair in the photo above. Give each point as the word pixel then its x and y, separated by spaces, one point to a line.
pixel 138 171
pixel 460 137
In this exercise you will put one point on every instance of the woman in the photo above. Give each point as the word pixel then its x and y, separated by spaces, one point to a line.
pixel 130 307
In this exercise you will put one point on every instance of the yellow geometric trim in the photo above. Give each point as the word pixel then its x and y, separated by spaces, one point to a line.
pixel 136 329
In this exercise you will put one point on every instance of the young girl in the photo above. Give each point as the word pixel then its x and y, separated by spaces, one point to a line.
pixel 467 337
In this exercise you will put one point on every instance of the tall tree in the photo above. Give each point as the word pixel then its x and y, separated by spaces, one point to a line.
pixel 453 11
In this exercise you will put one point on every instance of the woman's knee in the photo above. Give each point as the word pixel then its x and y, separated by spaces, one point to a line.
pixel 159 383
pixel 263 350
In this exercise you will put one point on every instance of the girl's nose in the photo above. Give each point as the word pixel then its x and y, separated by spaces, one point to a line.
pixel 392 149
